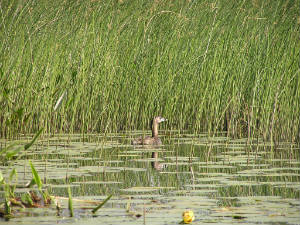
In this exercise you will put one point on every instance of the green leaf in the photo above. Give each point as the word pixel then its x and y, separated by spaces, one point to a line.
pixel 34 139
pixel 6 149
pixel 36 177
pixel 19 113
pixel 14 152
pixel 47 198
pixel 12 174
pixel 26 199
pixel 100 205
pixel 11 150
pixel 7 207
pixel 1 178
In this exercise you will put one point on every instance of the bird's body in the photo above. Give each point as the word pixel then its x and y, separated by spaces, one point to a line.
pixel 154 140
pixel 147 141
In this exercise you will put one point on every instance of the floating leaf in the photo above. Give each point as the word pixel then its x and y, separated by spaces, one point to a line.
pixel 237 217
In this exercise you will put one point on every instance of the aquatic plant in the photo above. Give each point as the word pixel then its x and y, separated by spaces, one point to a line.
pixel 70 203
pixel 8 194
pixel 98 66
pixel 101 204
pixel 188 216
pixel 30 199
pixel 37 180
pixel 16 150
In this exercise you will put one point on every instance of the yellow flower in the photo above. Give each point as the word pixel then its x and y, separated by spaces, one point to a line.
pixel 188 216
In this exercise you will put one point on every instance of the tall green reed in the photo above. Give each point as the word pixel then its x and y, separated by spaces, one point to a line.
pixel 207 66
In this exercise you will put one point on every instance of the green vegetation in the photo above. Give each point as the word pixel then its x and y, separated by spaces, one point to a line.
pixel 99 66
pixel 209 174
pixel 101 204
pixel 31 199
pixel 15 150
pixel 70 203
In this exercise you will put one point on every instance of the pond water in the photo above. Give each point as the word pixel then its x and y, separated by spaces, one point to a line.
pixel 222 180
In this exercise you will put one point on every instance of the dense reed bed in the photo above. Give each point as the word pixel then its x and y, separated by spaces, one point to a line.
pixel 208 66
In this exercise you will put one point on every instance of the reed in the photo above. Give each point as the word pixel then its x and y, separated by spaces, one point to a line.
pixel 111 66
pixel 70 203
pixel 101 204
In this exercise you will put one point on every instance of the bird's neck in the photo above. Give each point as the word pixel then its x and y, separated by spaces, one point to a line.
pixel 154 129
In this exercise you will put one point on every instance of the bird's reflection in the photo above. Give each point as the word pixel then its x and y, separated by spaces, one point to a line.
pixel 155 163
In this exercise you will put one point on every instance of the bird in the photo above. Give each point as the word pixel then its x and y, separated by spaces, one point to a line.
pixel 154 140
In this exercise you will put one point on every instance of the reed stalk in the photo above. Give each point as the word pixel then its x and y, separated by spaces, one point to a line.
pixel 70 203
pixel 222 66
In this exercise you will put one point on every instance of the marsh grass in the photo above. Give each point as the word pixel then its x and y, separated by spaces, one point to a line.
pixel 207 66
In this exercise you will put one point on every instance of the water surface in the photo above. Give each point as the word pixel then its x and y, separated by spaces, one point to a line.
pixel 223 180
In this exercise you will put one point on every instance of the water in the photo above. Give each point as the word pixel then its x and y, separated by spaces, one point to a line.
pixel 224 181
